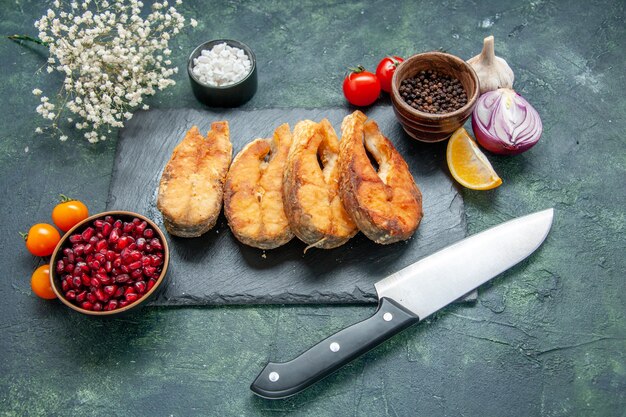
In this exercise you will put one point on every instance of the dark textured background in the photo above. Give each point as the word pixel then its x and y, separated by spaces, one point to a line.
pixel 546 338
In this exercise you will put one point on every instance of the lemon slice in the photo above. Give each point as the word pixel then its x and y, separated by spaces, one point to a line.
pixel 468 165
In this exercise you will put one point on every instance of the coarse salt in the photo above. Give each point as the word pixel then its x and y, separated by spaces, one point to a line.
pixel 221 65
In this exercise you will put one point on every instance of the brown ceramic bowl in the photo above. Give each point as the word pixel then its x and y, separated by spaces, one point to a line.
pixel 427 127
pixel 55 279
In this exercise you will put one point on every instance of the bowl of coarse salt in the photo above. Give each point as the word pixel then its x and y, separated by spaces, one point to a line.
pixel 222 73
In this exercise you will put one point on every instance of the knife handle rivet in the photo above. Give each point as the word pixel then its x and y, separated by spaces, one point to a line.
pixel 334 347
pixel 387 316
pixel 274 376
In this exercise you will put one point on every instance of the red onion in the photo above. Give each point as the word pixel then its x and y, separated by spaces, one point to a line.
pixel 505 123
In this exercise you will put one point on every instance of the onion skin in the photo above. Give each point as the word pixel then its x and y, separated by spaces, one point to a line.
pixel 505 123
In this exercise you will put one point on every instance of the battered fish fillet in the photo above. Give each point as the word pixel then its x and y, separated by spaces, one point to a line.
pixel 385 203
pixel 192 184
pixel 311 187
pixel 253 194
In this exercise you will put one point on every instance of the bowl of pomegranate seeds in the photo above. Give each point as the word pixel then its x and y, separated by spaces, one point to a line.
pixel 109 263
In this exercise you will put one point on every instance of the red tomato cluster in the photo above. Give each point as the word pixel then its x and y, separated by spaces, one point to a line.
pixel 362 88
pixel 43 238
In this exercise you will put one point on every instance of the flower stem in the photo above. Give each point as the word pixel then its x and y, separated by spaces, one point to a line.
pixel 18 38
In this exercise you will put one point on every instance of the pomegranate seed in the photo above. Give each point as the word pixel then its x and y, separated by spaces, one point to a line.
pixel 60 266
pixel 146 261
pixel 129 289
pixel 110 289
pixel 106 229
pixel 140 286
pixel 110 255
pixel 123 303
pixel 124 269
pixel 100 258
pixel 114 236
pixel 86 279
pixel 79 249
pixel 76 238
pixel 148 248
pixel 89 248
pixel 87 305
pixel 106 280
pixel 102 244
pixel 81 296
pixel 141 243
pixel 149 271
pixel 156 244
pixel 77 282
pixel 77 271
pixel 122 243
pixel 98 223
pixel 122 278
pixel 108 266
pixel 109 219
pixel 132 246
pixel 91 297
pixel 95 282
pixel 128 227
pixel 93 240
pixel 94 265
pixel 99 235
pixel 119 292
pixel 97 307
pixel 117 224
pixel 148 233
pixel 70 295
pixel 112 305
pixel 101 295
pixel 69 254
pixel 156 260
pixel 140 228
pixel 135 255
pixel 136 221
pixel 132 297
pixel 151 283
pixel 135 265
pixel 136 274
pixel 87 233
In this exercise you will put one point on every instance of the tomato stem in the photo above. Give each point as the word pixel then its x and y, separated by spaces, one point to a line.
pixel 357 70
pixel 64 199
pixel 24 235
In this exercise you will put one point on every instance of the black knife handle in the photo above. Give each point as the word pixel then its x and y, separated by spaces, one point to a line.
pixel 280 380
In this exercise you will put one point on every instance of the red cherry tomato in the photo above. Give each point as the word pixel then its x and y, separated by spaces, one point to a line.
pixel 361 87
pixel 386 67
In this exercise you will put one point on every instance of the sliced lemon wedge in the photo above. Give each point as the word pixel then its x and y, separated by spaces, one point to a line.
pixel 468 165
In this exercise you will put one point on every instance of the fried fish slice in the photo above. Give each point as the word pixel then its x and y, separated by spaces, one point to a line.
pixel 192 184
pixel 253 194
pixel 311 187
pixel 385 203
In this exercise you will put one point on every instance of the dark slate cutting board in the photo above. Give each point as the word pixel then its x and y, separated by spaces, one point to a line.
pixel 217 269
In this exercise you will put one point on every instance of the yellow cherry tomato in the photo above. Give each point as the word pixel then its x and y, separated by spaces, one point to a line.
pixel 42 239
pixel 40 283
pixel 68 213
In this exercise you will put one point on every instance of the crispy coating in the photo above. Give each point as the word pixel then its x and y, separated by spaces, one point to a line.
pixel 192 183
pixel 253 194
pixel 311 187
pixel 385 203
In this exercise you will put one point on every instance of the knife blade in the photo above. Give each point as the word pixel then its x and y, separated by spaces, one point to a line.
pixel 409 296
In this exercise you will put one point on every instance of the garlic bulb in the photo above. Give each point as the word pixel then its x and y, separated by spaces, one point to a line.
pixel 493 72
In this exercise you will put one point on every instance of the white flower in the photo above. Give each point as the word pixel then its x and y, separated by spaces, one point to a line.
pixel 193 23
pixel 38 130
pixel 63 138
pixel 106 80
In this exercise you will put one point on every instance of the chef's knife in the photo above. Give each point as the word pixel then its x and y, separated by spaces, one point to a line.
pixel 409 296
